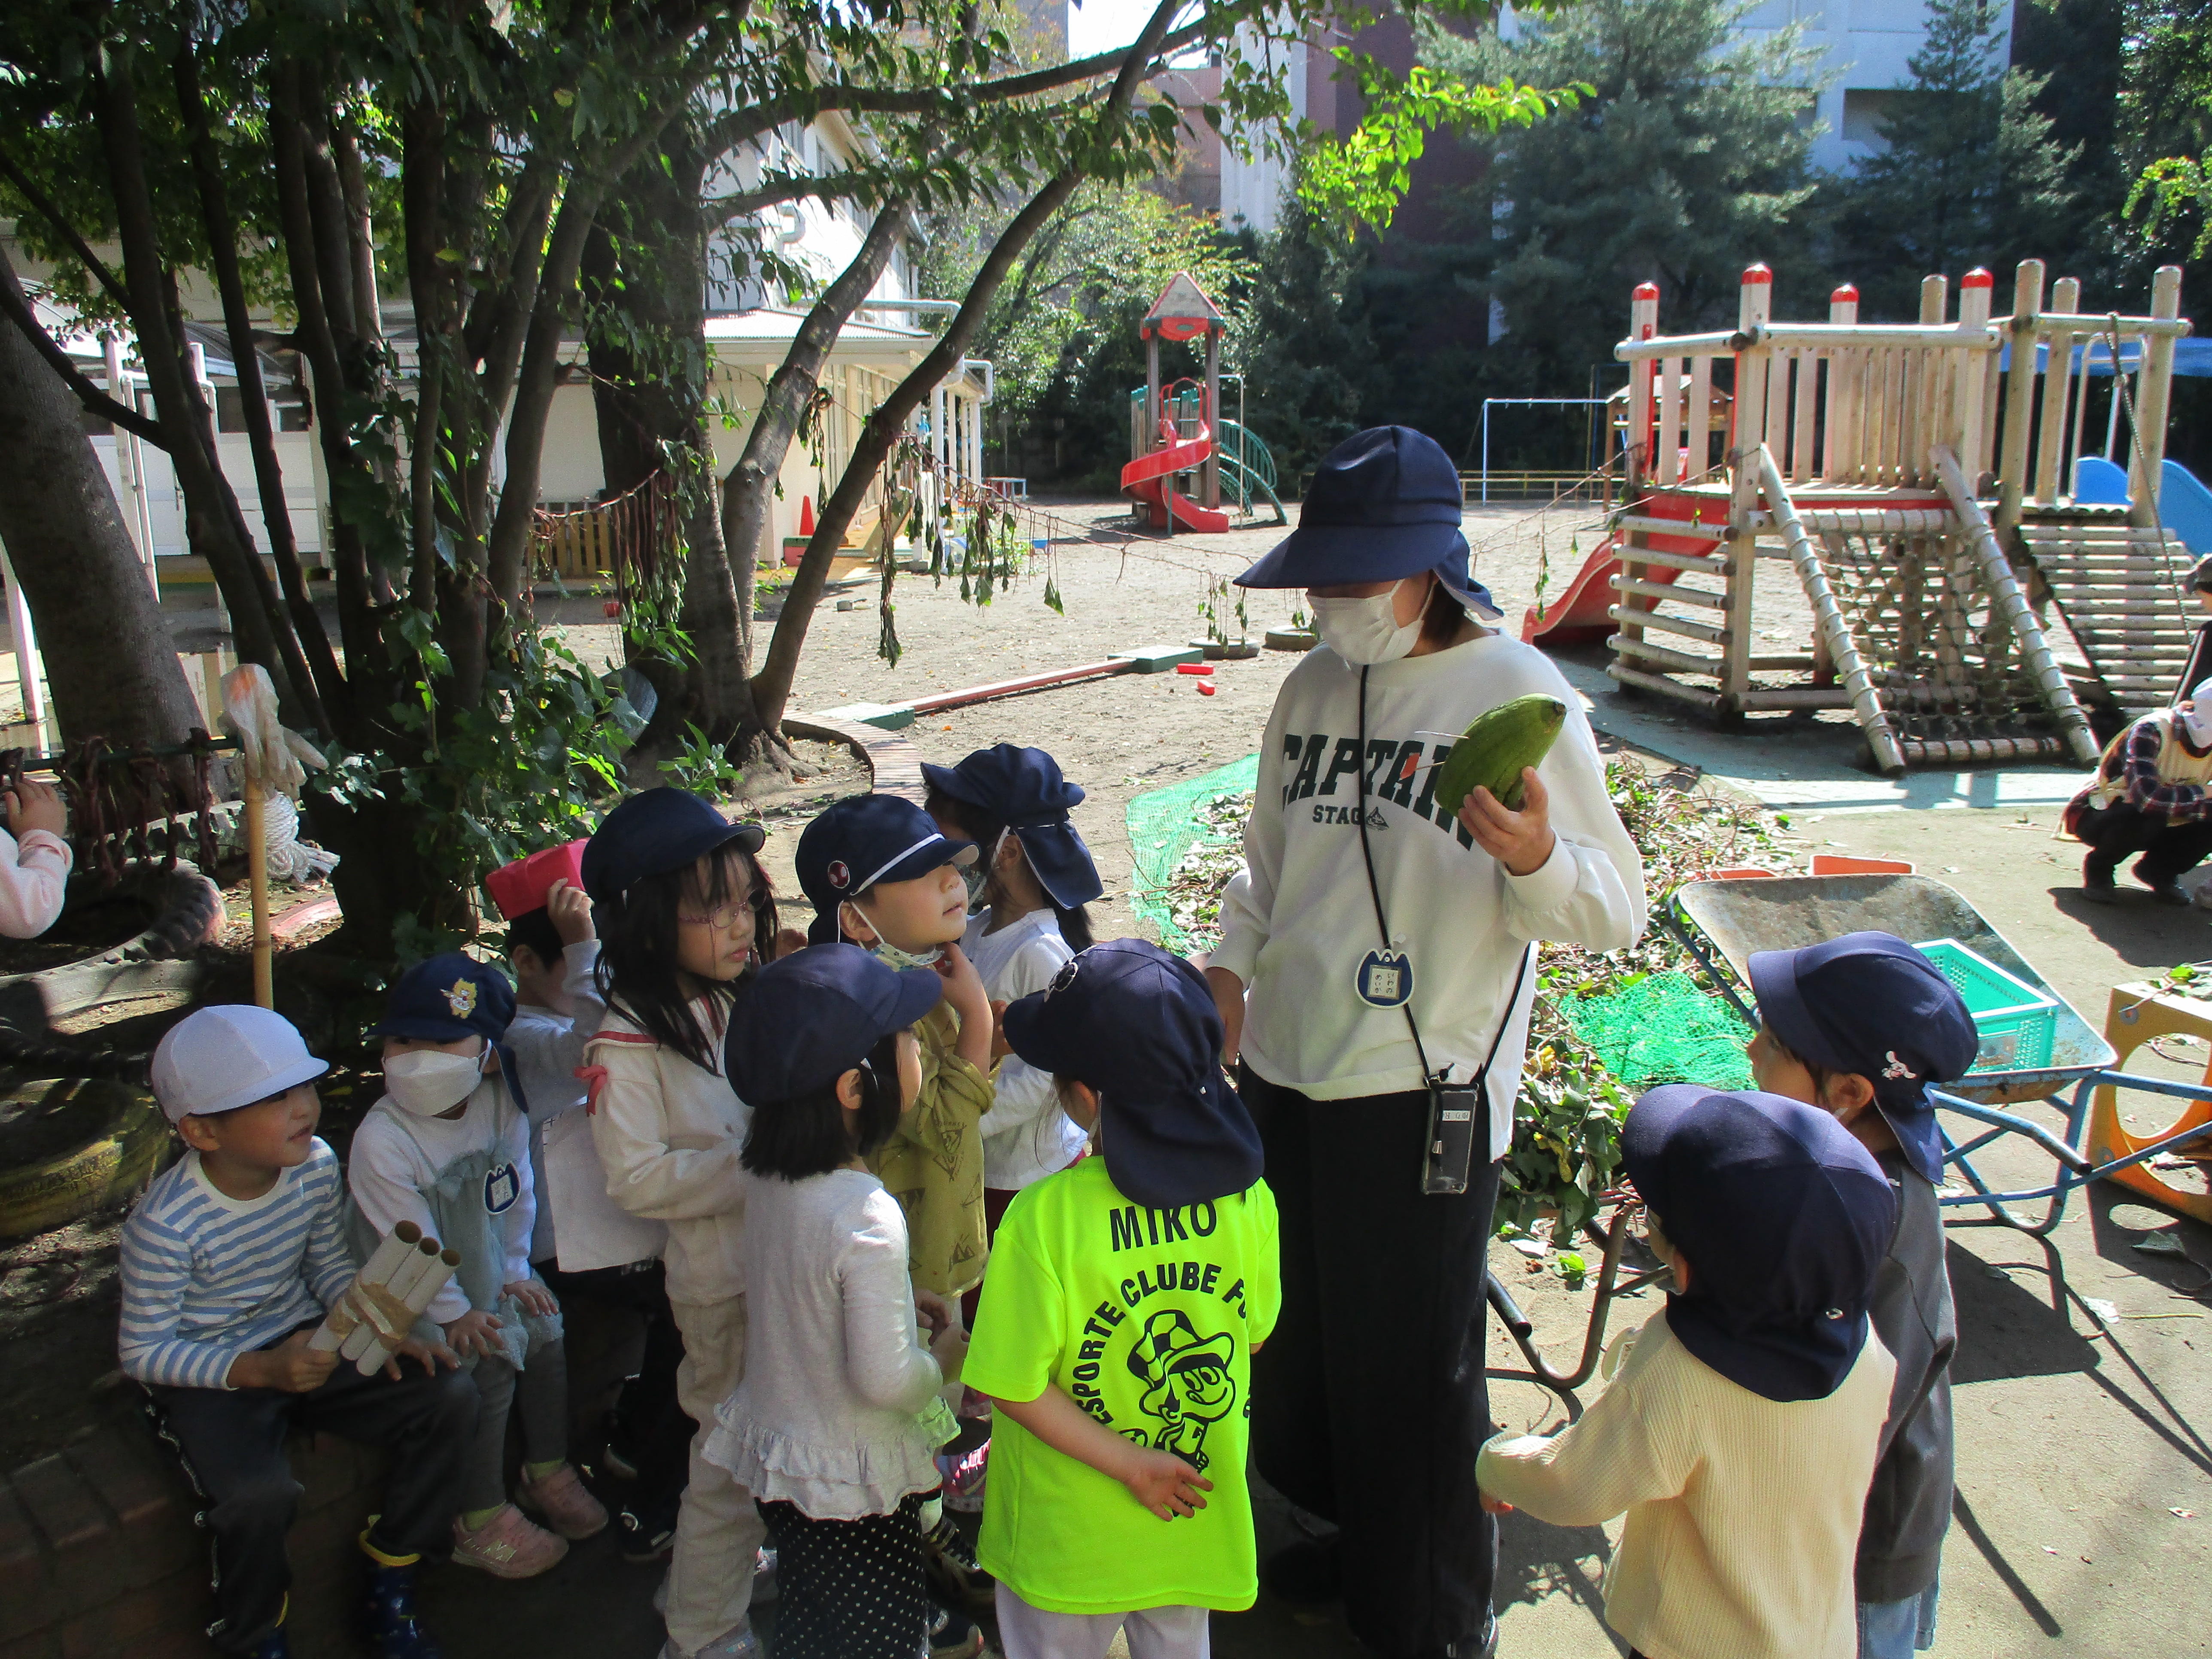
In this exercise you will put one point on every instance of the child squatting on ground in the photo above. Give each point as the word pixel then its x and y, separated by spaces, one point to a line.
pixel 1860 1026
pixel 1119 1318
pixel 685 916
pixel 1027 895
pixel 835 1426
pixel 1739 1425
pixel 583 1244
pixel 881 875
pixel 447 1148
pixel 229 1263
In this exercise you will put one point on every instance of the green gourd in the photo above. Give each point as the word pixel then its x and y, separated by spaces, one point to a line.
pixel 1493 751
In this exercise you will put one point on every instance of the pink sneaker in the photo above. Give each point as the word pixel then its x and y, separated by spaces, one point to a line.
pixel 561 1501
pixel 963 1475
pixel 508 1546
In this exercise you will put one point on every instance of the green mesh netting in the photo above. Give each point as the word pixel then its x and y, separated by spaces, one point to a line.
pixel 1663 1029
pixel 1165 825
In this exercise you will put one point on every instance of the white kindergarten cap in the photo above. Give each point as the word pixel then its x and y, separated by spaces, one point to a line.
pixel 216 1059
pixel 2198 717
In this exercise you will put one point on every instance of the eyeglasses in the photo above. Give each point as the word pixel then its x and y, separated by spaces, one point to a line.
pixel 730 915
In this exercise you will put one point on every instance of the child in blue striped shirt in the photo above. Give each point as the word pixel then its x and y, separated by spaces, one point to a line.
pixel 228 1263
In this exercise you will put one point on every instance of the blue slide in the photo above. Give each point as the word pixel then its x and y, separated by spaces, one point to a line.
pixel 2184 505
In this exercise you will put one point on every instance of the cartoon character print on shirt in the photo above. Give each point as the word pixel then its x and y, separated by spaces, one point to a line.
pixel 502 1186
pixel 1403 774
pixel 1188 1385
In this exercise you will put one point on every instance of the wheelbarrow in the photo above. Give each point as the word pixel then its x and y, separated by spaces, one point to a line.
pixel 2064 1062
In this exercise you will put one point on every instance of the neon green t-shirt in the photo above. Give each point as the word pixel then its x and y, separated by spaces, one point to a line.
pixel 1146 1318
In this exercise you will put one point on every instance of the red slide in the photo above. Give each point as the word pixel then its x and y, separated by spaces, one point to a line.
pixel 1145 479
pixel 1578 617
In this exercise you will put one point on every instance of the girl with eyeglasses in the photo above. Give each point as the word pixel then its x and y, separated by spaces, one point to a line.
pixel 686 916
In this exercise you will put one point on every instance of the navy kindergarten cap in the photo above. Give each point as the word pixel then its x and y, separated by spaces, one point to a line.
pixel 448 998
pixel 1140 1026
pixel 862 839
pixel 1383 504
pixel 1024 790
pixel 1784 1218
pixel 653 832
pixel 814 1015
pixel 1870 1004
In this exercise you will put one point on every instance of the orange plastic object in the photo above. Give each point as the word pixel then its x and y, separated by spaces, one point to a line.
pixel 2137 1013
pixel 1206 688
pixel 1843 864
pixel 1193 668
pixel 1735 873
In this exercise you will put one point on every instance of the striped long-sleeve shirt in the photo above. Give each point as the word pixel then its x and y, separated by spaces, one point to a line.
pixel 207 1278
pixel 2148 767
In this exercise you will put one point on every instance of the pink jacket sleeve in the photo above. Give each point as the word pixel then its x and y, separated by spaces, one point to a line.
pixel 34 874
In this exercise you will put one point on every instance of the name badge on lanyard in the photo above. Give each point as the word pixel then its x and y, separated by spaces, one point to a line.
pixel 1385 979
pixel 501 1188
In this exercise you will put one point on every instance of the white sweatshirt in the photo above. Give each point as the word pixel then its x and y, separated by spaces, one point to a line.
pixel 669 1134
pixel 1026 1137
pixel 1299 921
pixel 396 1154
pixel 34 881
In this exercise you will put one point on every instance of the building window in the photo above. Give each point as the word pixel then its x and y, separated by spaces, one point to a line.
pixel 1864 111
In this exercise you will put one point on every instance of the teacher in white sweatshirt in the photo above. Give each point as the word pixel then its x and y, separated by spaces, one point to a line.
pixel 1377 960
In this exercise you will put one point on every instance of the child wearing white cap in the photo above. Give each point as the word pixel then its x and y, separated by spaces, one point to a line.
pixel 228 1264
pixel 2149 797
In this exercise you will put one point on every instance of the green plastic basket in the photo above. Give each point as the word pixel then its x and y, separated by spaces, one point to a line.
pixel 2018 1022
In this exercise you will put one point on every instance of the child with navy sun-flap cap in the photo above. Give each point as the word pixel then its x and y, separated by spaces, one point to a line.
pixel 1738 1428
pixel 1119 1319
pixel 1860 1026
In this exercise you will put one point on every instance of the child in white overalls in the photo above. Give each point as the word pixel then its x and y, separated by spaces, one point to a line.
pixel 448 1148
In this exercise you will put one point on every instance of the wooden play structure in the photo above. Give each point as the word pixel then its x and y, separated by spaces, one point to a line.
pixel 1915 477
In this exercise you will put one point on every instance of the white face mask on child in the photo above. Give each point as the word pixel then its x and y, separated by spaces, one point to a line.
pixel 1365 631
pixel 427 1082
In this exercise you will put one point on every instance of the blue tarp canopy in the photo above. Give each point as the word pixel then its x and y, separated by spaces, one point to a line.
pixel 2189 356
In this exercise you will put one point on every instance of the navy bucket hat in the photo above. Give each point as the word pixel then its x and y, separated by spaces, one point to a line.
pixel 814 1015
pixel 446 999
pixel 862 839
pixel 1784 1218
pixel 1870 1004
pixel 653 832
pixel 1140 1026
pixel 1022 789
pixel 1384 504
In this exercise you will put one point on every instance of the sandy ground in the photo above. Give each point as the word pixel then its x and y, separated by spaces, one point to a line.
pixel 2080 1433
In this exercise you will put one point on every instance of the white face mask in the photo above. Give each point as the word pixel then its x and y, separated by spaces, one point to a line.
pixel 1365 631
pixel 891 955
pixel 427 1082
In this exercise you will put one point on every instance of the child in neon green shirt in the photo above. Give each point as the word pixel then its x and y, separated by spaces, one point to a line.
pixel 1124 1297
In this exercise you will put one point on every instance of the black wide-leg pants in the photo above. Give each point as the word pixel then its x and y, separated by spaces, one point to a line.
pixel 1368 1401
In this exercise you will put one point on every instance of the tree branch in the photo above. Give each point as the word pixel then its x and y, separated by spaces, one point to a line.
pixel 18 307
pixel 53 214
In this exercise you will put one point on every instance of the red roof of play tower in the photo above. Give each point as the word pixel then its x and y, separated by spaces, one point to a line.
pixel 1181 312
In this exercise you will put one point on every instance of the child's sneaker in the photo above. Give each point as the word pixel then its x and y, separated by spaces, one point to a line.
pixel 953 1635
pixel 508 1546
pixel 738 1643
pixel 275 1645
pixel 954 1572
pixel 962 1472
pixel 561 1501
pixel 648 1534
pixel 387 1614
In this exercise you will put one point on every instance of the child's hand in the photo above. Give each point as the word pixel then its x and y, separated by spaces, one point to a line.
pixel 999 1047
pixel 1494 1505
pixel 1165 1485
pixel 948 1348
pixel 471 1334
pixel 425 1354
pixel 34 807
pixel 569 909
pixel 932 1311
pixel 534 1297
pixel 291 1366
pixel 963 989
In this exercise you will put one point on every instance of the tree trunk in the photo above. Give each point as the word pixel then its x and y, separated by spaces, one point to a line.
pixel 110 661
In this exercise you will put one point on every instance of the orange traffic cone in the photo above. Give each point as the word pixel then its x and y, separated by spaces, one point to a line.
pixel 806 515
